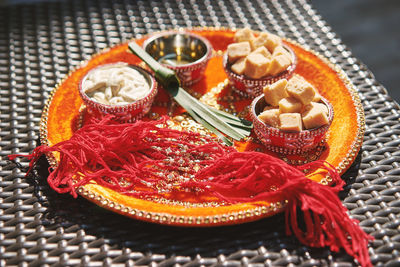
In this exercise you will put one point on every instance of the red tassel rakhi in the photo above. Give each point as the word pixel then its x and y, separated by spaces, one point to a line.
pixel 153 156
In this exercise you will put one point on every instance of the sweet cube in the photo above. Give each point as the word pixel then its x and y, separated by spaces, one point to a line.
pixel 290 122
pixel 256 65
pixel 315 115
pixel 272 42
pixel 238 50
pixel 275 92
pixel 260 40
pixel 239 66
pixel 278 64
pixel 270 117
pixel 263 51
pixel 320 106
pixel 244 35
pixel 280 50
pixel 290 105
pixel 300 89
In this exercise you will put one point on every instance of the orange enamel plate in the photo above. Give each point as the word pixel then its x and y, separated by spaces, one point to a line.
pixel 63 114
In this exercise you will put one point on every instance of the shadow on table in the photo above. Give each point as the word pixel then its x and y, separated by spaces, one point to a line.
pixel 147 238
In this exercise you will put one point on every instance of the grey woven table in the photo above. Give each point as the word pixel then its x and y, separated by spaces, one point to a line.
pixel 40 43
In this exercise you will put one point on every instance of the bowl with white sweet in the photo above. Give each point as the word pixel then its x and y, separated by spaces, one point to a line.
pixel 123 90
pixel 255 60
pixel 291 117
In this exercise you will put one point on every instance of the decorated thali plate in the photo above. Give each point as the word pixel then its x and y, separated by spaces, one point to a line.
pixel 64 113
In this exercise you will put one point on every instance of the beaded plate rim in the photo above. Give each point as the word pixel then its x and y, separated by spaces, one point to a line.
pixel 228 218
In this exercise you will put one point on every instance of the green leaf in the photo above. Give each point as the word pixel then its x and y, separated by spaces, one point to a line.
pixel 232 118
pixel 189 102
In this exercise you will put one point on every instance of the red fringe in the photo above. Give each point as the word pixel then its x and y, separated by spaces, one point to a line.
pixel 103 152
pixel 252 174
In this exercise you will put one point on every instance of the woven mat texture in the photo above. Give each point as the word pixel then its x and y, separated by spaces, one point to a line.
pixel 40 43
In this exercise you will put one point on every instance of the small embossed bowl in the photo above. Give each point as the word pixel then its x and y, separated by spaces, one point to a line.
pixel 122 113
pixel 284 142
pixel 250 87
pixel 185 53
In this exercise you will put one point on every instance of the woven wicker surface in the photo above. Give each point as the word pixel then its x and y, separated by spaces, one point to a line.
pixel 40 43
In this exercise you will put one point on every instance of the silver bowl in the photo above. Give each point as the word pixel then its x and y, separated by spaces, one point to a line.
pixel 285 142
pixel 185 53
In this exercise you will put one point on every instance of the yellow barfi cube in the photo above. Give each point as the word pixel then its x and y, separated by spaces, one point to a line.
pixel 239 66
pixel 300 89
pixel 278 64
pixel 256 65
pixel 263 51
pixel 290 122
pixel 272 42
pixel 315 115
pixel 273 93
pixel 270 117
pixel 260 40
pixel 321 106
pixel 280 50
pixel 238 50
pixel 290 105
pixel 244 35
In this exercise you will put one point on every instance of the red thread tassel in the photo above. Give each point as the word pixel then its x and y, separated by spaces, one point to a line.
pixel 326 220
pixel 103 151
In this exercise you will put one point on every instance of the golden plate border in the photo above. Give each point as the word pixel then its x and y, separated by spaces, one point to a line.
pixel 221 219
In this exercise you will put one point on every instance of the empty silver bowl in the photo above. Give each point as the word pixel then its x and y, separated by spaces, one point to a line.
pixel 185 53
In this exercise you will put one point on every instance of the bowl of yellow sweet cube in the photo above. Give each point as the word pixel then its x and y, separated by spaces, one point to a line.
pixel 291 117
pixel 255 60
